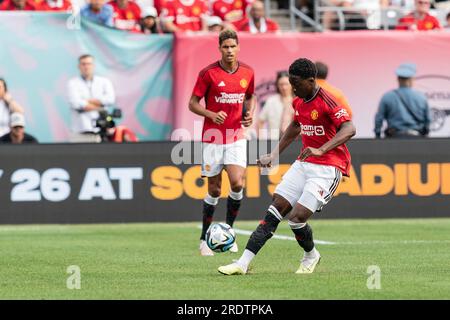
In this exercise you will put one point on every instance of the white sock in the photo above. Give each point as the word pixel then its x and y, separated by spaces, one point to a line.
pixel 245 259
pixel 312 254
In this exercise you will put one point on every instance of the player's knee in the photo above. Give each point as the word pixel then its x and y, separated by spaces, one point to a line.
pixel 282 205
pixel 214 191
pixel 299 218
pixel 236 185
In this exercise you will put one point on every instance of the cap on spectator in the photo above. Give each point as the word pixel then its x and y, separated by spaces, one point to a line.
pixel 214 21
pixel 149 12
pixel 17 120
pixel 406 70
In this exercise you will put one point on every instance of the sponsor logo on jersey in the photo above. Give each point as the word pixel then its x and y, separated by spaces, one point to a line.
pixel 320 192
pixel 230 98
pixel 196 11
pixel 314 114
pixel 341 113
pixel 243 83
pixel 310 130
pixel 221 84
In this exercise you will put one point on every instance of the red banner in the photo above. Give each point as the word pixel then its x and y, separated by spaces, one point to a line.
pixel 361 64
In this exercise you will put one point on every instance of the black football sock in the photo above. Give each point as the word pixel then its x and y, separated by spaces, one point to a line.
pixel 264 231
pixel 208 214
pixel 232 210
pixel 303 234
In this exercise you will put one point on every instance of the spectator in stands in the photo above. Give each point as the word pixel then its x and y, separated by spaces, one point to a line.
pixel 126 14
pixel 88 93
pixel 405 109
pixel 419 19
pixel 215 24
pixel 17 134
pixel 7 106
pixel 98 12
pixel 448 21
pixel 407 5
pixel 322 74
pixel 274 107
pixel 55 5
pixel 230 10
pixel 17 5
pixel 358 14
pixel 257 21
pixel 185 15
pixel 149 23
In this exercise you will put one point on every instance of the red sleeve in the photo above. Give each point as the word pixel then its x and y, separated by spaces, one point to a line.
pixel 136 11
pixel 169 10
pixel 202 85
pixel 403 23
pixel 338 115
pixel 272 26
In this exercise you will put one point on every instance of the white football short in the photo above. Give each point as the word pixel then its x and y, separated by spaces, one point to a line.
pixel 216 156
pixel 311 185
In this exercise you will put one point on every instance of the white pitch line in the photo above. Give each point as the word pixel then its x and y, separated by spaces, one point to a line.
pixel 281 237
pixel 365 243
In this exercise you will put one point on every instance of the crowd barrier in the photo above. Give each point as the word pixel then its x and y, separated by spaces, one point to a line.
pixel 103 183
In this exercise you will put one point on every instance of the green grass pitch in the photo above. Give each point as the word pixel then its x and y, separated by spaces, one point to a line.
pixel 161 261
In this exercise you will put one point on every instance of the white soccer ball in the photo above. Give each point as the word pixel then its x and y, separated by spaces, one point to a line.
pixel 220 237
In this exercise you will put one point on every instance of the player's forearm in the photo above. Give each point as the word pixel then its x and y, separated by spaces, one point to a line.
pixel 250 104
pixel 198 109
pixel 346 131
pixel 292 132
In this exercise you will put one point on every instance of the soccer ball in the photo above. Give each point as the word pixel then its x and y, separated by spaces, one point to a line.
pixel 220 237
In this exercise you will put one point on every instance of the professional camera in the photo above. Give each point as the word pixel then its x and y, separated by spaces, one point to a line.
pixel 105 121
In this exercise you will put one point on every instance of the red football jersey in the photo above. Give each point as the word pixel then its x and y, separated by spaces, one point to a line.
pixel 224 91
pixel 230 10
pixel 186 15
pixel 126 18
pixel 320 119
pixel 427 23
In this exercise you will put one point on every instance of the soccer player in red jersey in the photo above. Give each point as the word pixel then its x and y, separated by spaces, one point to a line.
pixel 310 182
pixel 228 89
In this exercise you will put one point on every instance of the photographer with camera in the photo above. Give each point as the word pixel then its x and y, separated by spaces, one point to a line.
pixel 109 132
pixel 89 94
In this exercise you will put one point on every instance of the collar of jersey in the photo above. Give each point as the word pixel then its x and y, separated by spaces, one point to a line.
pixel 313 97
pixel 220 65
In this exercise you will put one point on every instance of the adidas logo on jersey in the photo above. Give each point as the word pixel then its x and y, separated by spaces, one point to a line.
pixel 221 84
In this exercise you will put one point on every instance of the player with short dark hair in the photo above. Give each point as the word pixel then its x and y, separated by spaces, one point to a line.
pixel 228 89
pixel 310 182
